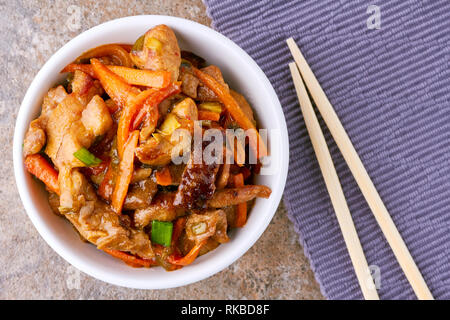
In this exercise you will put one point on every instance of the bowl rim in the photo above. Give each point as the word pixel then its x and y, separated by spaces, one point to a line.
pixel 52 239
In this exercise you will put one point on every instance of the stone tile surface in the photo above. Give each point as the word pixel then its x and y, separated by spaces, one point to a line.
pixel 31 30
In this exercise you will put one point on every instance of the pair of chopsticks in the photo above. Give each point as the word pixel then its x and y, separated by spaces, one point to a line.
pixel 361 176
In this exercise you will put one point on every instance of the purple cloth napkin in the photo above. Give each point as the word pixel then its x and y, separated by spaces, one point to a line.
pixel 391 89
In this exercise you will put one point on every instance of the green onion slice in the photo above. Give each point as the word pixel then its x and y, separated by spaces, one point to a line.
pixel 206 123
pixel 211 106
pixel 185 64
pixel 162 232
pixel 139 44
pixel 199 228
pixel 86 157
pixel 169 125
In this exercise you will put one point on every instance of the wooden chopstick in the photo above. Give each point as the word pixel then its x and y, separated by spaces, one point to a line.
pixel 361 176
pixel 335 190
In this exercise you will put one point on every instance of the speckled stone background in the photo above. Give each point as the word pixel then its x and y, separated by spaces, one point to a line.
pixel 31 31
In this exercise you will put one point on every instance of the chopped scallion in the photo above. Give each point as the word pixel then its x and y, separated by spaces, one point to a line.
pixel 185 64
pixel 211 106
pixel 162 232
pixel 153 43
pixel 199 228
pixel 139 44
pixel 169 125
pixel 206 123
pixel 158 136
pixel 86 157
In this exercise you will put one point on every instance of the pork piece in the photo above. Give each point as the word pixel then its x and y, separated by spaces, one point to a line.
pixel 224 175
pixel 164 107
pixel 140 195
pixel 95 117
pixel 141 174
pixel 158 151
pixel 53 201
pixel 99 224
pixel 158 51
pixel 198 180
pixel 211 223
pixel 68 129
pixel 210 245
pixel 230 212
pixel 185 244
pixel 186 109
pixel 72 135
pixel 148 127
pixel 197 184
pixel 203 92
pixel 189 84
pixel 54 97
pixel 233 196
pixel 60 122
pixel 35 137
pixel 161 209
pixel 155 151
pixel 193 59
pixel 176 172
pixel 221 235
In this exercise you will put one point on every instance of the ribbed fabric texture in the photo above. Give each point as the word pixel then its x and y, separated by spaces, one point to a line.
pixel 391 89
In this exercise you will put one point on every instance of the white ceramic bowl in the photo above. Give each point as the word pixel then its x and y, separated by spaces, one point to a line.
pixel 239 70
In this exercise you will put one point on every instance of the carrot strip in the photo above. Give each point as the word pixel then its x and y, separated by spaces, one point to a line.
pixel 150 122
pixel 208 115
pixel 238 151
pixel 146 78
pixel 189 258
pixel 126 118
pixel 163 177
pixel 153 101
pixel 177 229
pixel 116 87
pixel 238 180
pixel 111 105
pixel 38 166
pixel 241 212
pixel 236 112
pixel 125 173
pixel 130 259
pixel 113 50
pixel 86 68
